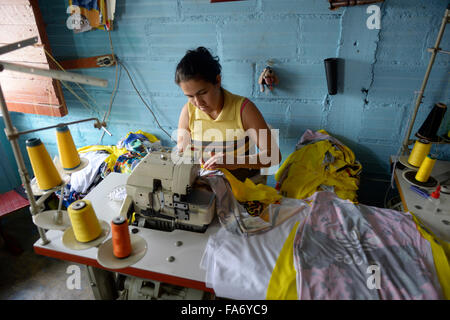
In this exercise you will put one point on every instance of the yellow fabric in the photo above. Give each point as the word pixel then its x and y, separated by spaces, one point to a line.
pixel 441 252
pixel 248 191
pixel 112 150
pixel 283 282
pixel 307 171
pixel 227 127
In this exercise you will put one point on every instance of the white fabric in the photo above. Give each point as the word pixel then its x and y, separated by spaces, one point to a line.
pixel 81 180
pixel 239 267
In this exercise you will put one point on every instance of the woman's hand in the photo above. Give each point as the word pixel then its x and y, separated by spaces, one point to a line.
pixel 217 161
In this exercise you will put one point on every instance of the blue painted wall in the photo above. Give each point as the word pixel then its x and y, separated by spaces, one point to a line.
pixel 383 68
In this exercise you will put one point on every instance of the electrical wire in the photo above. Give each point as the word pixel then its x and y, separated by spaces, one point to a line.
pixel 105 118
pixel 142 99
pixel 108 112
pixel 116 81
pixel 69 88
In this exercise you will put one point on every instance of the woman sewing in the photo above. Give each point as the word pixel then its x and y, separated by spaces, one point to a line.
pixel 222 126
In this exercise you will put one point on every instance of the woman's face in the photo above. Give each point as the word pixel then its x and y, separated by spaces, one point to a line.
pixel 203 95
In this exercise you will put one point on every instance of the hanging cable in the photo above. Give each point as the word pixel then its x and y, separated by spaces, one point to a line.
pixel 105 118
pixel 142 99
pixel 116 81
pixel 69 88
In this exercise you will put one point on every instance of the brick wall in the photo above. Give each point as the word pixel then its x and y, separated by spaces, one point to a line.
pixel 383 68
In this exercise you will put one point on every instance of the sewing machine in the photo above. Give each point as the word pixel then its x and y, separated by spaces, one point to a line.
pixel 162 194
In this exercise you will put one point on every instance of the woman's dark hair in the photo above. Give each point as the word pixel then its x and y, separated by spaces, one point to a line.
pixel 198 64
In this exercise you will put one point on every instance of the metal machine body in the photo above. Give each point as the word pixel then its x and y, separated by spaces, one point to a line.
pixel 161 195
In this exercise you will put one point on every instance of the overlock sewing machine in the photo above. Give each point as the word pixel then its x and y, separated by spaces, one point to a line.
pixel 162 194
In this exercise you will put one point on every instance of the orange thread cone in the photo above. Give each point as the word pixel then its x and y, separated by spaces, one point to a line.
pixel 120 237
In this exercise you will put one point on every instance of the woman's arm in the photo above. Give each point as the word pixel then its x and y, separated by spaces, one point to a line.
pixel 260 134
pixel 184 136
pixel 256 127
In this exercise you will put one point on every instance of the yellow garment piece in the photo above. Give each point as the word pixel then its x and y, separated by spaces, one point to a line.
pixel 283 282
pixel 306 171
pixel 112 150
pixel 440 257
pixel 248 191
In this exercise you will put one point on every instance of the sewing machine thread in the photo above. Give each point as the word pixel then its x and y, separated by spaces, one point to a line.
pixel 85 224
pixel 419 152
pixel 120 237
pixel 47 176
pixel 425 169
pixel 68 153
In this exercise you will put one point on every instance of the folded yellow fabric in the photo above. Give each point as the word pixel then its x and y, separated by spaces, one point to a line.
pixel 248 191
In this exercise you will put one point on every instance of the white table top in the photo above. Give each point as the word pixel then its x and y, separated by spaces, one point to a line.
pixel 184 270
pixel 414 203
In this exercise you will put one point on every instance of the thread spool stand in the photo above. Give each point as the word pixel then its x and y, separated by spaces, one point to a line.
pixel 55 219
pixel 434 51
pixel 410 177
pixel 13 134
pixel 124 248
pixel 106 258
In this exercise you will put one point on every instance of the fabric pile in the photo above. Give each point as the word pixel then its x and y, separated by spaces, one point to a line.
pixel 244 208
pixel 313 241
pixel 329 248
pixel 319 163
pixel 103 159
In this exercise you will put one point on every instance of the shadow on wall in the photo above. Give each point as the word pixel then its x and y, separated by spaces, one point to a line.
pixel 120 11
pixel 444 87
pixel 366 156
pixel 340 75
pixel 352 78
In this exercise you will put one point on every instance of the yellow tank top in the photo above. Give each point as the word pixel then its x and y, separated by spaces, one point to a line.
pixel 225 133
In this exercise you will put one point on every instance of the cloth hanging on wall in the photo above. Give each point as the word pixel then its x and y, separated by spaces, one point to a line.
pixel 86 15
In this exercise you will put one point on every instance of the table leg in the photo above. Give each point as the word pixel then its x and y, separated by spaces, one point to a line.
pixel 102 283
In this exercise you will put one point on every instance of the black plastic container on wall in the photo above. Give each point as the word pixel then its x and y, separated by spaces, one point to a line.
pixel 331 67
pixel 431 125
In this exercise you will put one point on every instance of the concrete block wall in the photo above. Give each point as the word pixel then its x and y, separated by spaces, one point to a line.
pixel 383 68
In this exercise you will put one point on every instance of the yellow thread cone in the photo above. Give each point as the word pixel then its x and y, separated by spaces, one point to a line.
pixel 44 169
pixel 68 153
pixel 425 169
pixel 85 224
pixel 418 153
